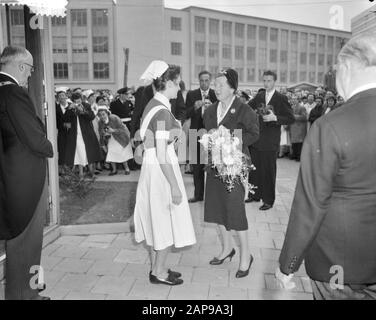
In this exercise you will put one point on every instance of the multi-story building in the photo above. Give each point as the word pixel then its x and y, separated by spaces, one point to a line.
pixel 93 42
pixel 364 22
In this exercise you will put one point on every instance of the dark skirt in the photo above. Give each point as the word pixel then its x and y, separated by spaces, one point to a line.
pixel 223 207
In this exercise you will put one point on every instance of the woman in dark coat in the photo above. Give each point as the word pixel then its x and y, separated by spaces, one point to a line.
pixel 82 146
pixel 225 208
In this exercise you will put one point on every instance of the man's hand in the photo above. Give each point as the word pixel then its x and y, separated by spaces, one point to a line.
pixel 284 280
pixel 198 104
pixel 67 125
pixel 110 130
pixel 269 117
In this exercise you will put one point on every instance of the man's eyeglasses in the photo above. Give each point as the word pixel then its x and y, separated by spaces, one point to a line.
pixel 31 66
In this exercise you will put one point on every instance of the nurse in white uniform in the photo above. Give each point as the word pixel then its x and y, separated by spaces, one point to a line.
pixel 162 216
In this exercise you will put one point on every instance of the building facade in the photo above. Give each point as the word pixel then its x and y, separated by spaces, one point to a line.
pixel 364 22
pixel 105 44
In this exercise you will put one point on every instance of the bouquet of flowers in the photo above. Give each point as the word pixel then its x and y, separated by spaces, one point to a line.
pixel 263 109
pixel 226 157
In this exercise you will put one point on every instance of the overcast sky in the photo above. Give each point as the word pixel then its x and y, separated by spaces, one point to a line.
pixel 310 12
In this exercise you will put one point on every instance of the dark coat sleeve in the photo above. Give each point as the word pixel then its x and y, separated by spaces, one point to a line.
pixel 319 166
pixel 189 104
pixel 285 114
pixel 28 126
pixel 180 107
pixel 249 121
pixel 4 226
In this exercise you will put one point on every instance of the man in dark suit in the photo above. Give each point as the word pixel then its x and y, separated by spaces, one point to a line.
pixel 196 103
pixel 332 222
pixel 24 152
pixel 123 107
pixel 274 110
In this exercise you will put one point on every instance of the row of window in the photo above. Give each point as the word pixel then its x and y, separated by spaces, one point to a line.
pixel 310 39
pixel 79 44
pixel 101 70
pixel 283 74
pixel 251 54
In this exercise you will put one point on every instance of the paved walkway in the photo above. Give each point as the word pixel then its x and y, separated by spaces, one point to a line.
pixel 113 266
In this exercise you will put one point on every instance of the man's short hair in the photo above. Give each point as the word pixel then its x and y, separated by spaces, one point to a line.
pixel 361 49
pixel 270 73
pixel 76 96
pixel 13 53
pixel 204 72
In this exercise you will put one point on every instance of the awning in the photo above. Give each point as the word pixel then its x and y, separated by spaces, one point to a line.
pixel 41 7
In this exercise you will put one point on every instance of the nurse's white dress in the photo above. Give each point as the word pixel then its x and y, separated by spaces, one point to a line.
pixel 157 220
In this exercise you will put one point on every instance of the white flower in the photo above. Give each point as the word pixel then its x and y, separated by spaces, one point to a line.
pixel 228 161
pixel 236 141
pixel 205 140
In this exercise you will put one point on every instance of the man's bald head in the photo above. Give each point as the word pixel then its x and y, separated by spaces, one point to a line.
pixel 356 65
pixel 18 62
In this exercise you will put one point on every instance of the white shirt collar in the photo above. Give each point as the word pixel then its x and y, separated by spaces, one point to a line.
pixel 270 93
pixel 161 98
pixel 10 76
pixel 219 118
pixel 206 93
pixel 365 87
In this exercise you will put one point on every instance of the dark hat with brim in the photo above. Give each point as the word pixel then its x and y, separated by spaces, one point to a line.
pixel 124 90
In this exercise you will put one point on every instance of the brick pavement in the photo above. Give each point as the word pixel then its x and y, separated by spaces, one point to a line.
pixel 113 266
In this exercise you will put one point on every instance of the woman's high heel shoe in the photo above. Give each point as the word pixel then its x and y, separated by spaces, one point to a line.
pixel 217 261
pixel 241 273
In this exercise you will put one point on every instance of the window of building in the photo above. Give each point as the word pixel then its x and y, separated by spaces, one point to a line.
pixel 283 56
pixel 251 74
pixel 100 44
pixel 303 58
pixel 312 59
pixel 262 56
pixel 79 18
pixel 263 31
pixel 99 17
pixel 176 23
pixel 251 53
pixel 240 72
pixel 214 26
pixel 251 32
pixel 200 24
pixel 303 76
pixel 293 76
pixel 213 50
pixel 312 42
pixel 273 35
pixel 176 48
pixel 61 70
pixel 273 55
pixel 321 59
pixel 330 42
pixel 283 76
pixel 79 45
pixel 293 59
pixel 17 17
pixel 239 52
pixel 303 41
pixel 199 68
pixel 226 51
pixel 239 30
pixel 312 77
pixel 200 49
pixel 214 70
pixel 59 44
pixel 339 42
pixel 320 77
pixel 101 70
pixel 321 41
pixel 329 61
pixel 227 26
pixel 294 37
pixel 80 71
pixel 284 39
pixel 58 21
pixel 18 41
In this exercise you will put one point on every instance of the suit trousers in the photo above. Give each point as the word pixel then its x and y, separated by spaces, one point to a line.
pixel 323 291
pixel 23 252
pixel 264 177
